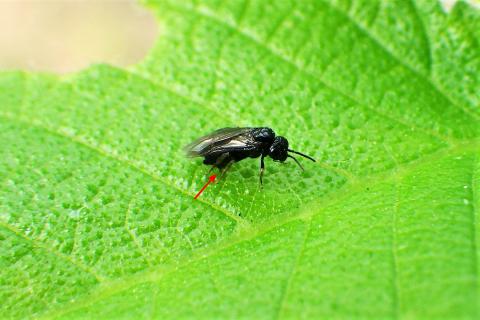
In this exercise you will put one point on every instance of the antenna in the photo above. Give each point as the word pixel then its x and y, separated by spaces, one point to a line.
pixel 299 153
pixel 296 161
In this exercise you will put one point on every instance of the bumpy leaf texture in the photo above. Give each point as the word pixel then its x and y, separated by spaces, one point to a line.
pixel 97 218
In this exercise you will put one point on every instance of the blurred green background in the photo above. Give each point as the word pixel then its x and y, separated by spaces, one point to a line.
pixel 64 36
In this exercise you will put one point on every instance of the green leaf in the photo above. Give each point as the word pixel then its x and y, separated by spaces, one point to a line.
pixel 97 218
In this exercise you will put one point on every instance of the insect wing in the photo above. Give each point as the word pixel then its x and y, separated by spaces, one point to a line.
pixel 220 141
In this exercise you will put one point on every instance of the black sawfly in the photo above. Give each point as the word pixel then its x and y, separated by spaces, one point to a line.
pixel 226 146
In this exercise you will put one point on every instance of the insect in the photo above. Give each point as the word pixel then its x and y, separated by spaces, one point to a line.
pixel 226 146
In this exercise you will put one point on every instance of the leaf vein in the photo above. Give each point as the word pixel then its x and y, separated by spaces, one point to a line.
pixel 327 85
pixel 426 39
pixel 293 270
pixel 123 161
pixel 400 62
pixel 132 234
pixel 172 91
pixel 474 219
pixel 395 285
pixel 252 233
pixel 48 248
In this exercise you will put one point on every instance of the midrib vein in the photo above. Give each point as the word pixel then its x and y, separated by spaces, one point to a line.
pixel 248 234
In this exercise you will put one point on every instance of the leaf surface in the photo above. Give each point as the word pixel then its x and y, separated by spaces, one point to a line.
pixel 97 218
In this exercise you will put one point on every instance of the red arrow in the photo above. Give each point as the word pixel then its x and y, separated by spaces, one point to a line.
pixel 210 180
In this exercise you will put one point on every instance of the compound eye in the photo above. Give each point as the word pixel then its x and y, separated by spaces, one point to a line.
pixel 278 154
pixel 278 150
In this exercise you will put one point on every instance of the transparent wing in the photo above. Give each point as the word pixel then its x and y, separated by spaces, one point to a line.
pixel 222 140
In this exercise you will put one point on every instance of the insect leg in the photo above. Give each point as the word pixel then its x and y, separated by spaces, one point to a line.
pixel 225 169
pixel 222 160
pixel 216 161
pixel 262 168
